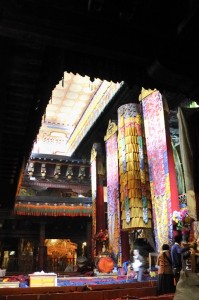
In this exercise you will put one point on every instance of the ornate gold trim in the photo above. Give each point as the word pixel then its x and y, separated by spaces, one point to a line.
pixel 145 93
pixel 112 128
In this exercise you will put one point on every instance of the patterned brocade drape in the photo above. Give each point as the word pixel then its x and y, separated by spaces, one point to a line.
pixel 113 203
pixel 154 124
pixel 135 194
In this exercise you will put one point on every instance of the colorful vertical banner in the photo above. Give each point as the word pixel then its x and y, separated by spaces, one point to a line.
pixel 156 145
pixel 135 194
pixel 94 195
pixel 113 202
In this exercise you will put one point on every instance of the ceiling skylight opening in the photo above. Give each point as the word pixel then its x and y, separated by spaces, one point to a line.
pixel 75 104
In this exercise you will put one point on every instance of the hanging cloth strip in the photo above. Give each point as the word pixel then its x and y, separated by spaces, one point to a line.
pixel 113 204
pixel 157 153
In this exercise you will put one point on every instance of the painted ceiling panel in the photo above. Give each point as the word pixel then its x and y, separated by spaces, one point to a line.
pixel 74 100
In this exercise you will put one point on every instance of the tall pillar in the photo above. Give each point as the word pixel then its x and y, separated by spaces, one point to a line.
pixel 88 240
pixel 135 196
pixel 97 177
pixel 113 198
pixel 100 218
pixel 188 153
pixel 1 253
pixel 160 165
pixel 125 246
pixel 42 249
pixel 35 255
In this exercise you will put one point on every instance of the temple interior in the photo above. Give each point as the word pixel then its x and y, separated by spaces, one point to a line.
pixel 99 134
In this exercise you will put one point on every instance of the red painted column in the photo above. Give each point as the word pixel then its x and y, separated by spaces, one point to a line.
pixel 100 209
pixel 88 240
pixel 125 246
pixel 100 216
pixel 172 170
pixel 42 249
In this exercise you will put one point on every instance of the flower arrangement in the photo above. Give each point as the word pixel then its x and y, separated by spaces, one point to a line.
pixel 182 220
pixel 101 236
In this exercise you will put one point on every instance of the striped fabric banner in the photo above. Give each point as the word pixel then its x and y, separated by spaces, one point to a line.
pixel 156 144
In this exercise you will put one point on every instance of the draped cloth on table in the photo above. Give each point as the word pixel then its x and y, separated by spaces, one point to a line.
pixel 187 160
pixel 156 145
pixel 113 203
pixel 135 194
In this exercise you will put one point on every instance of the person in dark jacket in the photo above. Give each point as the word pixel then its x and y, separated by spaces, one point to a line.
pixel 176 256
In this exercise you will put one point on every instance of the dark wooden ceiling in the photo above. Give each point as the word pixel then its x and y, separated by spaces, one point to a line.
pixel 144 43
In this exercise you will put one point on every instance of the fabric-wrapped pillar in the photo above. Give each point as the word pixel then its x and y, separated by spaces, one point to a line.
pixel 135 196
pixel 113 202
pixel 157 152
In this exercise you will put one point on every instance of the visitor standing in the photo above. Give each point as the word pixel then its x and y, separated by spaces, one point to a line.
pixel 138 264
pixel 177 252
pixel 165 283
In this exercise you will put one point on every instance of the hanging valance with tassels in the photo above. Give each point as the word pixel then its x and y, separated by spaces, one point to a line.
pixel 55 210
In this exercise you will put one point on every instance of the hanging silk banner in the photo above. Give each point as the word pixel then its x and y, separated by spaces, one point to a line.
pixel 113 202
pixel 94 195
pixel 135 194
pixel 154 124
